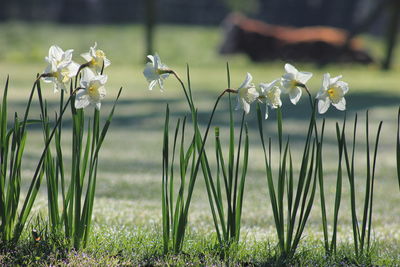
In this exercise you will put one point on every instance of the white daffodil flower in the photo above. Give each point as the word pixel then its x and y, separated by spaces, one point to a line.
pixel 332 91
pixel 293 81
pixel 60 68
pixel 156 72
pixel 271 95
pixel 247 94
pixel 93 90
pixel 96 58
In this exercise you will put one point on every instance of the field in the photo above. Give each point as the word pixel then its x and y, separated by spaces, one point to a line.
pixel 127 209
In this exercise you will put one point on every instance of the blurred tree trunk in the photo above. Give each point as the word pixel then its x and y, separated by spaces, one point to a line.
pixel 369 19
pixel 246 7
pixel 394 9
pixel 150 21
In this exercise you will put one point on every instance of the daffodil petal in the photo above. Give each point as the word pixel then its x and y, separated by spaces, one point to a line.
pixel 157 61
pixel 61 86
pixel 151 58
pixel 326 80
pixel 344 86
pixel 161 84
pixel 86 56
pixel 56 52
pixel 265 87
pixel 149 72
pixel 290 69
pixel 48 79
pixel 81 99
pixel 322 94
pixel 102 92
pixel 246 81
pixel 335 79
pixel 323 105
pixel 164 76
pixel 252 94
pixel 246 106
pixel 55 87
pixel 341 105
pixel 107 62
pixel 238 105
pixel 303 77
pixel 68 55
pixel 295 95
pixel 102 78
pixel 72 69
pixel 152 84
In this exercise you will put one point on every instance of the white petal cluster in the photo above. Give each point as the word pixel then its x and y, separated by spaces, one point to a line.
pixel 93 89
pixel 247 94
pixel 96 58
pixel 293 81
pixel 60 68
pixel 156 72
pixel 271 95
pixel 332 92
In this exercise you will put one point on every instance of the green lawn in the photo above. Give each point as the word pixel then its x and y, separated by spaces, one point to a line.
pixel 127 215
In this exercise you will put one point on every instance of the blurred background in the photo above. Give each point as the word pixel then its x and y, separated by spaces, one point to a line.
pixel 374 19
pixel 195 33
pixel 340 13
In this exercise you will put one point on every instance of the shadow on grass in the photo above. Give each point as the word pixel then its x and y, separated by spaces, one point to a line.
pixel 138 112
pixel 138 118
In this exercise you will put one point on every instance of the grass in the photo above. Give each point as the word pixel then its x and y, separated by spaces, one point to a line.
pixel 127 209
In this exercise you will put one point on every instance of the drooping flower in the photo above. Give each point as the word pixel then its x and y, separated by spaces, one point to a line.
pixel 293 81
pixel 270 95
pixel 332 91
pixel 156 72
pixel 96 58
pixel 247 94
pixel 93 90
pixel 60 68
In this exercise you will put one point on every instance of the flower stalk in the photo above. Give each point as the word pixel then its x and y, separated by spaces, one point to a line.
pixel 398 146
pixel 299 200
pixel 77 198
pixel 362 233
pixel 174 230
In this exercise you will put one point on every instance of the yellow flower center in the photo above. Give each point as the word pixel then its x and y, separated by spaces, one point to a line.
pixel 99 53
pixel 334 94
pixel 98 60
pixel 295 83
pixel 60 76
pixel 271 95
pixel 92 91
pixel 64 75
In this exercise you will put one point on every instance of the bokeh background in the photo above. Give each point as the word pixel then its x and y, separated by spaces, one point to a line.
pixel 373 18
